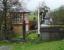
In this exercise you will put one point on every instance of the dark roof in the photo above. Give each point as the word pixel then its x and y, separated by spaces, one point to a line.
pixel 19 10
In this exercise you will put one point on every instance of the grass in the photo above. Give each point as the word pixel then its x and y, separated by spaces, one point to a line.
pixel 53 45
pixel 35 44
pixel 38 45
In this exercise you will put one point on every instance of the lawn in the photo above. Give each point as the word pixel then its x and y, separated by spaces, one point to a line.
pixel 34 43
pixel 50 45
pixel 53 45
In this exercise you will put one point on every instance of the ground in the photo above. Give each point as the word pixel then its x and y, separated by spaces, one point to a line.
pixel 49 45
pixel 33 43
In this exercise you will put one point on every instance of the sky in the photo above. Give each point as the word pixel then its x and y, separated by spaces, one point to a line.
pixel 52 4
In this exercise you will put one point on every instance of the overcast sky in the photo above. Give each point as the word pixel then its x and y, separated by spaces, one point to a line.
pixel 53 4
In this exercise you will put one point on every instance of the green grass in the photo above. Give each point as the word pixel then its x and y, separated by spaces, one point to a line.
pixel 54 45
pixel 35 44
pixel 50 45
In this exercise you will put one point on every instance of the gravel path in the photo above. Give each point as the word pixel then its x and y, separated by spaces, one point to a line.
pixel 5 48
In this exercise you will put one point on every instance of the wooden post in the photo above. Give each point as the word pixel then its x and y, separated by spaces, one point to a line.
pixel 24 30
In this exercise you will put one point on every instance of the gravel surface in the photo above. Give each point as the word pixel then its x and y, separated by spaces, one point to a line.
pixel 5 48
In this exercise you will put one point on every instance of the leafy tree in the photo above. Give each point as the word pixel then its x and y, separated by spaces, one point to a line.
pixel 5 7
pixel 58 16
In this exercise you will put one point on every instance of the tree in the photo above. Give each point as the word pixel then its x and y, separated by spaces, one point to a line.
pixel 58 16
pixel 5 7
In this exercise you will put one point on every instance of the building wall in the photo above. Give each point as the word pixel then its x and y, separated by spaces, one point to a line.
pixel 18 24
pixel 17 29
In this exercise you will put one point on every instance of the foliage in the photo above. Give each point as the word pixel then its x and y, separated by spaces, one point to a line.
pixel 32 15
pixel 58 16
pixel 5 7
pixel 32 36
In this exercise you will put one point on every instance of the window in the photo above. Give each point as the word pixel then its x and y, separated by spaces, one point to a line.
pixel 16 18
